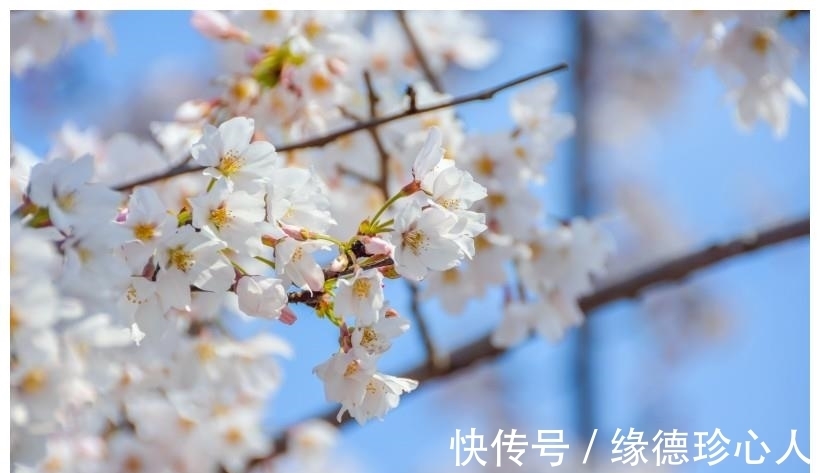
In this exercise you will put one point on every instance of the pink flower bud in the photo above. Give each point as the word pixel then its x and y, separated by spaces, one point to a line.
pixel 215 25
pixel 377 246
pixel 336 66
pixel 293 231
pixel 287 317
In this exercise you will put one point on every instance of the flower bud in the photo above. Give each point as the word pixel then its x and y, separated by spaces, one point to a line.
pixel 217 26
pixel 377 246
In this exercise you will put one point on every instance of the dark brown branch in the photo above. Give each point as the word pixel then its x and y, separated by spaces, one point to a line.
pixel 323 140
pixel 417 51
pixel 670 271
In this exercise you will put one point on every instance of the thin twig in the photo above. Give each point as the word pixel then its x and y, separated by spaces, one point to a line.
pixel 431 77
pixel 323 140
pixel 436 360
pixel 384 156
pixel 346 171
pixel 629 288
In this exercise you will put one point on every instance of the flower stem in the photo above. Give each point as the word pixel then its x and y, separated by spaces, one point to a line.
pixel 391 201
pixel 266 261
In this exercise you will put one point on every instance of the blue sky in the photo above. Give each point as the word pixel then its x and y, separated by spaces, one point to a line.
pixel 716 180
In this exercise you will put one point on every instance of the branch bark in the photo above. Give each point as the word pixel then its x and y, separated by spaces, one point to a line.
pixel 323 140
pixel 424 64
pixel 629 288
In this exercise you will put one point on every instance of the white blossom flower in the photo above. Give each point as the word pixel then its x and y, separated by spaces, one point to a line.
pixel 37 37
pixel 695 24
pixel 91 269
pixel 190 258
pixel 377 337
pixel 125 452
pixel 454 288
pixel 311 441
pixel 424 241
pixel 294 260
pixel 351 379
pixel 148 221
pixel 767 100
pixel 346 376
pixel 298 197
pixel 63 188
pixel 234 217
pixel 142 305
pixel 360 296
pixel 453 36
pixel 381 395
pixel 265 26
pixel 533 111
pixel 230 155
pixel 550 318
pixel 261 296
pixel 566 257
pixel 453 188
pixel 429 156
pixel 239 438
pixel 510 211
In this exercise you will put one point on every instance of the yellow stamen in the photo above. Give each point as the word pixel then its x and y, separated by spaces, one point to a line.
pixel 361 288
pixel 230 163
pixel 270 16
pixel 34 381
pixel 297 255
pixel 67 201
pixel 233 436
pixel 313 28
pixel 206 352
pixel 144 231
pixel 220 217
pixel 319 82
pixel 180 259
pixel 352 368
pixel 485 165
pixel 496 200
pixel 415 240
pixel 368 336
pixel 761 42
pixel 15 320
pixel 451 276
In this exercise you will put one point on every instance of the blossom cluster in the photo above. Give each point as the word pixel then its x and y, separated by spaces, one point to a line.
pixel 751 56
pixel 122 356
pixel 38 37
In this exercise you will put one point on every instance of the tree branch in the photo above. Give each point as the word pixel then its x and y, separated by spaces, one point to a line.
pixel 420 56
pixel 384 156
pixel 673 270
pixel 436 360
pixel 320 141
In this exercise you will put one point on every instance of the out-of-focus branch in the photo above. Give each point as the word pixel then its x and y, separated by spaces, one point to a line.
pixel 435 359
pixel 384 175
pixel 323 140
pixel 384 156
pixel 673 270
pixel 431 77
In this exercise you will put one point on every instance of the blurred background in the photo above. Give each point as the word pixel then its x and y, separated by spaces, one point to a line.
pixel 656 148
